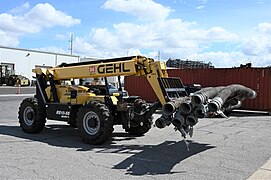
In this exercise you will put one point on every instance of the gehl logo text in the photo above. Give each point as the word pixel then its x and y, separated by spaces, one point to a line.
pixel 112 68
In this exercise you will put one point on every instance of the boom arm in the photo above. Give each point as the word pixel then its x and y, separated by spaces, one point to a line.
pixel 126 66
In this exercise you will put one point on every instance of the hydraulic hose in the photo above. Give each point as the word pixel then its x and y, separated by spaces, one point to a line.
pixel 231 90
pixel 200 97
pixel 231 107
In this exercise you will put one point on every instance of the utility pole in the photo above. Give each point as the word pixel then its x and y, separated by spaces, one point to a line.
pixel 71 43
pixel 158 56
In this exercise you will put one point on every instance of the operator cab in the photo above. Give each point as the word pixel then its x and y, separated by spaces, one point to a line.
pixel 97 85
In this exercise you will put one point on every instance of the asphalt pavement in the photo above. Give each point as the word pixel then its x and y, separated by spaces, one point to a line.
pixel 232 148
pixel 16 90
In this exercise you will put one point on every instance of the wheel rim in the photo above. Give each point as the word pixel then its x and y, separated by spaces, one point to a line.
pixel 29 116
pixel 91 123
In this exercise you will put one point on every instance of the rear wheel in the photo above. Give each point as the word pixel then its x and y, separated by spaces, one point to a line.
pixel 2 80
pixel 31 116
pixel 136 127
pixel 11 82
pixel 95 123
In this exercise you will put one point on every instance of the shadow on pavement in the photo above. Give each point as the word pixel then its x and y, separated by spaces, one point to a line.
pixel 143 159
pixel 155 159
pixel 58 135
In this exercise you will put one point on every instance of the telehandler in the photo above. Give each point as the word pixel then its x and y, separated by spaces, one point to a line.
pixel 94 111
pixel 8 77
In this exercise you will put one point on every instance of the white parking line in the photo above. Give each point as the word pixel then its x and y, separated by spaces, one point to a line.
pixel 8 95
pixel 263 172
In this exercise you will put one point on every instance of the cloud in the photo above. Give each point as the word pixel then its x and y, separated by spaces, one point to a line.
pixel 146 10
pixel 8 39
pixel 62 36
pixel 230 59
pixel 259 43
pixel 39 17
pixel 200 7
pixel 260 2
pixel 45 15
pixel 154 32
pixel 265 28
pixel 256 49
pixel 52 49
pixel 219 34
pixel 202 4
pixel 176 38
pixel 20 9
pixel 173 37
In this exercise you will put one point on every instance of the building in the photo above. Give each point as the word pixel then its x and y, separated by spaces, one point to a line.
pixel 188 64
pixel 22 61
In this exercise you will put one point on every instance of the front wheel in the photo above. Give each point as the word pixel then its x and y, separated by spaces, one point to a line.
pixel 94 123
pixel 31 116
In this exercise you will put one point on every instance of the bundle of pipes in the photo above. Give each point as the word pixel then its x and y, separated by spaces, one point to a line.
pixel 184 112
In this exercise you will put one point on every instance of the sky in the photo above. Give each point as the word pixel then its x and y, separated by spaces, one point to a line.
pixel 226 33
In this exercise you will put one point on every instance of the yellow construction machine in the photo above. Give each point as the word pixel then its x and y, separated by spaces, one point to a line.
pixel 8 77
pixel 93 109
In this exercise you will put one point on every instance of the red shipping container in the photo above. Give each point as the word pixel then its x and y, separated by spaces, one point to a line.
pixel 258 79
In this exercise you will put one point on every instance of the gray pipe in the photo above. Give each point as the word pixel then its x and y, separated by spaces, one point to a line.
pixel 172 106
pixel 200 97
pixel 201 111
pixel 186 107
pixel 191 120
pixel 231 90
pixel 231 102
pixel 231 107
pixel 178 120
pixel 163 121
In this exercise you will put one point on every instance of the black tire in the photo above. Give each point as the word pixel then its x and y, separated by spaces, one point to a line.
pixel 11 82
pixel 2 81
pixel 32 118
pixel 73 124
pixel 95 123
pixel 135 127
